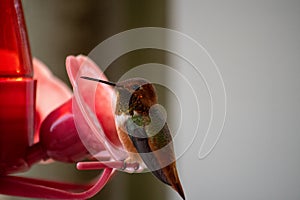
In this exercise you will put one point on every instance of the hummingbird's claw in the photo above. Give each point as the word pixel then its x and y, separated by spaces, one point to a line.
pixel 124 165
pixel 136 167
pixel 130 166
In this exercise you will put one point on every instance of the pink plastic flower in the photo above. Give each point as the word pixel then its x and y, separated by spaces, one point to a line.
pixel 103 95
pixel 51 93
pixel 56 137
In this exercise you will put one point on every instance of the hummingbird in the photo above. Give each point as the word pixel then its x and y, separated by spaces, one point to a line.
pixel 142 129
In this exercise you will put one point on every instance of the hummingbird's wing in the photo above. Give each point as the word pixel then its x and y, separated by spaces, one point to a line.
pixel 156 149
pixel 161 144
pixel 140 141
pixel 159 136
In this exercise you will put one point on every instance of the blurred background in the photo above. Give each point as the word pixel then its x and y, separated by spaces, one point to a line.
pixel 256 45
pixel 57 29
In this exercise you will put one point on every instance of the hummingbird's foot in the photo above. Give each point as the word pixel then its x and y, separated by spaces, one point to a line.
pixel 136 167
pixel 124 165
pixel 130 165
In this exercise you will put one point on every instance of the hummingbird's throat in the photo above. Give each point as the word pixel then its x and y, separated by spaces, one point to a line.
pixel 141 120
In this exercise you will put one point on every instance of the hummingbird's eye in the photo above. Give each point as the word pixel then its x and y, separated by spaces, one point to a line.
pixel 135 87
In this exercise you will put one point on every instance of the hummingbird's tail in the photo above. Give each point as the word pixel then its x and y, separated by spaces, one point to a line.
pixel 171 179
pixel 171 173
pixel 177 186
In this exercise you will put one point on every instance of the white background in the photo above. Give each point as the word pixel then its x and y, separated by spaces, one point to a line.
pixel 256 45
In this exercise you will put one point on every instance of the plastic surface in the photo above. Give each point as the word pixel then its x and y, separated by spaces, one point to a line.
pixel 16 122
pixel 93 111
pixel 17 88
pixel 59 138
pixel 15 56
pixel 42 189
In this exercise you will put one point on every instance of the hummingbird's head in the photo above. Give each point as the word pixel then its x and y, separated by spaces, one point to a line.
pixel 134 95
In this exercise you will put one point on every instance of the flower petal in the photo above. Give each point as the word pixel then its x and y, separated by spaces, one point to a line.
pixel 103 96
pixel 51 92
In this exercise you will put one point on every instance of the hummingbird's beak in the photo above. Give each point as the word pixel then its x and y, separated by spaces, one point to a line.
pixel 99 80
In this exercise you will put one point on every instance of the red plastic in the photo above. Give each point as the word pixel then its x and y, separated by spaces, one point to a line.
pixel 17 88
pixel 14 46
pixel 59 138
pixel 34 188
